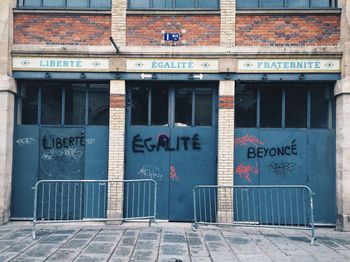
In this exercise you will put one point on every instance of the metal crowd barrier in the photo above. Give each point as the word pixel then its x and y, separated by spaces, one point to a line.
pixel 66 201
pixel 256 206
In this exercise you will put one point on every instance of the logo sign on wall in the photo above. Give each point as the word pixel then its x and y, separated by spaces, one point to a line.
pixel 60 64
pixel 289 65
pixel 172 65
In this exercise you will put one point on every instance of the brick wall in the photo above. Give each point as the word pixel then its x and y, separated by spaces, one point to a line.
pixel 280 30
pixel 62 29
pixel 201 30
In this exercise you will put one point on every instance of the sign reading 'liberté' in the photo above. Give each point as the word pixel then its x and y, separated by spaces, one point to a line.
pixel 289 65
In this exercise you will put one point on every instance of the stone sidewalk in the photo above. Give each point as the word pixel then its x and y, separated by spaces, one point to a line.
pixel 171 242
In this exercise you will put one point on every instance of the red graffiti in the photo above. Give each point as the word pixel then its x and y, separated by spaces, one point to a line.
pixel 246 140
pixel 246 170
pixel 172 174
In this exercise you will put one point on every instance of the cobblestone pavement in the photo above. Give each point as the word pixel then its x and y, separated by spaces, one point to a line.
pixel 170 242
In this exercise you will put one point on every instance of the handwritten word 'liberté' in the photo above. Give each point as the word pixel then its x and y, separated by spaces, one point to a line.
pixel 261 152
pixel 140 145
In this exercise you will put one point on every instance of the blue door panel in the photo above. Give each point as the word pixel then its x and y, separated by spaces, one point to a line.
pixel 190 165
pixel 147 157
pixel 96 168
pixel 321 170
pixel 25 170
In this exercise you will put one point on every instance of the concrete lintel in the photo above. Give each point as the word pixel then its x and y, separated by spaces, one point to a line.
pixel 117 87
pixel 7 84
pixel 227 88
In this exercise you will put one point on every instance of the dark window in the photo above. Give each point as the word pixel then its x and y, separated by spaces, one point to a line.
pixel 320 98
pixel 183 107
pixel 99 104
pixel 28 105
pixel 204 106
pixel 160 102
pixel 51 108
pixel 296 107
pixel 173 4
pixel 245 105
pixel 75 104
pixel 139 106
pixel 270 106
pixel 74 4
pixel 281 4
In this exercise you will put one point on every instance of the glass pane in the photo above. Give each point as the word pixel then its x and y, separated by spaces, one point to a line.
pixel 139 106
pixel 29 3
pixel 183 107
pixel 160 101
pixel 323 3
pixel 162 3
pixel 75 104
pixel 296 107
pixel 319 107
pixel 51 96
pixel 245 106
pixel 270 106
pixel 78 3
pixel 248 3
pixel 208 4
pixel 99 104
pixel 184 4
pixel 204 105
pixel 136 4
pixel 272 3
pixel 29 110
pixel 298 3
pixel 101 4
pixel 54 3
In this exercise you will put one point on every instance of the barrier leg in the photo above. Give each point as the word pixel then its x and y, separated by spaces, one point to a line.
pixel 34 230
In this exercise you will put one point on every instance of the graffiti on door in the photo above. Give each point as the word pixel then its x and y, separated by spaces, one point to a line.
pixel 281 168
pixel 150 171
pixel 245 171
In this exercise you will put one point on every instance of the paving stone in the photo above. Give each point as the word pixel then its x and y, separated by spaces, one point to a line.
pixel 99 248
pixel 107 238
pixel 55 239
pixel 64 255
pixel 118 259
pixel 201 259
pixel 223 256
pixel 128 241
pixel 304 258
pixel 123 251
pixel 217 246
pixel 130 233
pixel 84 235
pixel 253 258
pixel 149 236
pixel 238 240
pixel 174 238
pixel 75 243
pixel 145 255
pixel 146 245
pixel 19 247
pixel 66 231
pixel 5 244
pixel 195 241
pixel 27 259
pixel 173 250
pixel 163 258
pixel 42 251
pixel 91 258
pixel 211 237
pixel 7 256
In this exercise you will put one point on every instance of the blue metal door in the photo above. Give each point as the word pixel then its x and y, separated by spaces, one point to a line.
pixel 179 153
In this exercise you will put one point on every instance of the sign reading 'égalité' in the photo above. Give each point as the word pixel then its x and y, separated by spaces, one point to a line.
pixel 289 65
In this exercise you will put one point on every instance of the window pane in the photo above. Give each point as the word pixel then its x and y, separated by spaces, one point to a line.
pixel 298 3
pixel 270 106
pixel 51 96
pixel 99 104
pixel 248 4
pixel 296 107
pixel 183 107
pixel 53 3
pixel 78 3
pixel 208 4
pixel 204 101
pixel 319 107
pixel 29 3
pixel 184 4
pixel 159 106
pixel 139 106
pixel 272 3
pixel 139 4
pixel 29 110
pixel 75 104
pixel 245 106
pixel 323 3
pixel 100 3
pixel 162 3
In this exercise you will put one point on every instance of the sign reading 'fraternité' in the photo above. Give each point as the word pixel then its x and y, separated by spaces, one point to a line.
pixel 289 65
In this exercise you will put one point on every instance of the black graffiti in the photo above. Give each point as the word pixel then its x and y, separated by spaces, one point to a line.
pixel 63 142
pixel 140 145
pixel 281 168
pixel 261 152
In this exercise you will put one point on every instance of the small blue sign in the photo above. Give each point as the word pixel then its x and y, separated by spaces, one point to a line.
pixel 171 37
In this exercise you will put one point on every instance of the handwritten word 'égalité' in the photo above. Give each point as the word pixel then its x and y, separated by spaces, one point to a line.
pixel 261 152
pixel 140 145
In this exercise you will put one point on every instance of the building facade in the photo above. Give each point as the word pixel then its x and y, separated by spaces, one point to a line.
pixel 183 92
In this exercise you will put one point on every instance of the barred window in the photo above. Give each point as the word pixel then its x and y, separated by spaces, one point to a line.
pixel 289 4
pixel 65 4
pixel 173 4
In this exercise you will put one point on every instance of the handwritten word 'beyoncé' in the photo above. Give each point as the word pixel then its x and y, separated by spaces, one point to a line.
pixel 261 152
pixel 246 170
pixel 140 145
pixel 248 140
